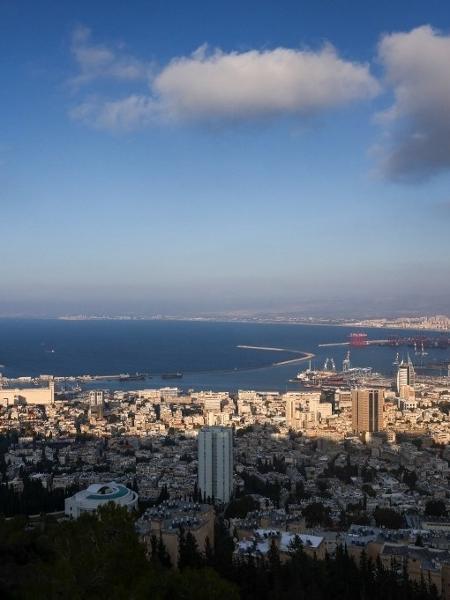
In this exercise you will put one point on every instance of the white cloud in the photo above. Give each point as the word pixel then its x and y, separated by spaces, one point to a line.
pixel 255 84
pixel 220 87
pixel 417 125
pixel 101 62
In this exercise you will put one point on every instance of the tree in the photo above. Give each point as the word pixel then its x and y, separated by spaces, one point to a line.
pixel 387 517
pixel 223 548
pixel 199 584
pixel 163 495
pixel 188 552
pixel 368 489
pixel 435 508
pixel 368 474
pixel 209 553
pixel 100 558
pixel 163 555
pixel 154 547
pixel 240 507
pixel 196 495
pixel 97 556
pixel 410 478
pixel 296 544
pixel 323 486
pixel 273 556
pixel 316 514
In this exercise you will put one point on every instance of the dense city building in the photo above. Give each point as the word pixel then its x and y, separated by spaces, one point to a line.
pixel 305 410
pixel 305 467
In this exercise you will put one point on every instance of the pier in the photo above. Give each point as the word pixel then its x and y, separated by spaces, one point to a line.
pixel 367 343
pixel 304 355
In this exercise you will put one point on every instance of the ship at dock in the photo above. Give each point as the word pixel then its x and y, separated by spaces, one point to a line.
pixel 329 377
pixel 135 377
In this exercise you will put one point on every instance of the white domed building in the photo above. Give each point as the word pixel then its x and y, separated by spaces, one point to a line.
pixel 99 494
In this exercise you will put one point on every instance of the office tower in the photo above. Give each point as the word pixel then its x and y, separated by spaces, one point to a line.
pixel 96 403
pixel 367 410
pixel 405 375
pixel 215 463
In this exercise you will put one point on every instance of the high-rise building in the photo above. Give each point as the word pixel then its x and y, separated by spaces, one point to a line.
pixel 96 403
pixel 215 462
pixel 405 375
pixel 367 410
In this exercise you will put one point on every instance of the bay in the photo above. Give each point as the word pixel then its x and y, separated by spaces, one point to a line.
pixel 207 353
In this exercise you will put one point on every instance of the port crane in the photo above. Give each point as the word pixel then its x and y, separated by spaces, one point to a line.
pixel 346 362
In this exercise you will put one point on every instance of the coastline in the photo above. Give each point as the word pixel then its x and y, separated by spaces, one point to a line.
pixel 149 357
pixel 253 322
pixel 242 320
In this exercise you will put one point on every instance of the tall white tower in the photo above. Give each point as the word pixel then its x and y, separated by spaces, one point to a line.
pixel 215 462
pixel 405 374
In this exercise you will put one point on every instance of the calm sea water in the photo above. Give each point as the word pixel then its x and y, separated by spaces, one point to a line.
pixel 206 353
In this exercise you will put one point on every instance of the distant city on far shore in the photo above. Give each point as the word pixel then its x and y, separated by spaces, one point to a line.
pixel 430 323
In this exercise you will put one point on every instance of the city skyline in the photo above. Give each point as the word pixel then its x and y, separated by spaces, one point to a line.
pixel 181 159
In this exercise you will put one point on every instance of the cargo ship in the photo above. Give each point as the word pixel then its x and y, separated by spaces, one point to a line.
pixel 176 375
pixel 135 377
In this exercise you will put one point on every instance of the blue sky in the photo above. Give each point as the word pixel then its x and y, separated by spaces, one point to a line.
pixel 183 157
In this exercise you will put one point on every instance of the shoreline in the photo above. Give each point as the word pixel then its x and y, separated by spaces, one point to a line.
pixel 225 320
pixel 262 322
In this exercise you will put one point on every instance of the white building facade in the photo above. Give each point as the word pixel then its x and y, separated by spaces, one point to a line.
pixel 99 494
pixel 34 395
pixel 215 463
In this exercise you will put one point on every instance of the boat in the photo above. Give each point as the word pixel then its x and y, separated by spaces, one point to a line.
pixel 176 375
pixel 308 375
pixel 397 360
pixel 311 377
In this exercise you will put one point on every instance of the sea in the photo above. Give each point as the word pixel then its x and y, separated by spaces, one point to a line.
pixel 206 353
